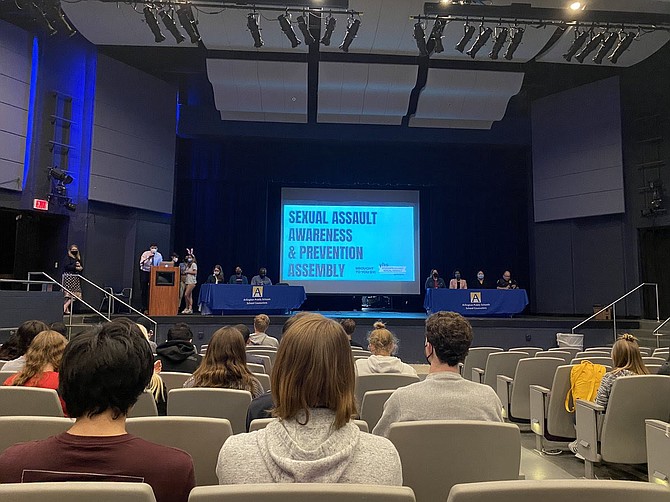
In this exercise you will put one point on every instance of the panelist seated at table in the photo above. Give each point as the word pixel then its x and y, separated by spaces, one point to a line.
pixel 507 282
pixel 480 282
pixel 434 280
pixel 261 279
pixel 238 278
pixel 457 282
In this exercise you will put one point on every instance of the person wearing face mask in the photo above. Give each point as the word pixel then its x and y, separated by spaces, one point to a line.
pixel 506 282
pixel 481 283
pixel 72 266
pixel 457 282
pixel 190 274
pixel 434 281
pixel 150 258
pixel 261 279
pixel 238 278
pixel 216 276
pixel 444 394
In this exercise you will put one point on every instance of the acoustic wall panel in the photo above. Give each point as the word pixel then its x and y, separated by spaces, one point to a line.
pixel 133 149
pixel 15 70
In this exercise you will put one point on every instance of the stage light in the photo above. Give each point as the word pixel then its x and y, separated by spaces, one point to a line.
pixel 60 189
pixel 56 17
pixel 514 43
pixel 483 37
pixel 328 32
pixel 34 11
pixel 60 176
pixel 420 37
pixel 590 47
pixel 70 206
pixel 580 39
pixel 576 6
pixel 468 33
pixel 188 22
pixel 303 25
pixel 152 22
pixel 171 26
pixel 434 44
pixel 605 48
pixel 252 24
pixel 285 24
pixel 352 29
pixel 501 38
pixel 625 39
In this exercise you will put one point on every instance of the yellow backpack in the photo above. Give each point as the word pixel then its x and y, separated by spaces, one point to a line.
pixel 584 382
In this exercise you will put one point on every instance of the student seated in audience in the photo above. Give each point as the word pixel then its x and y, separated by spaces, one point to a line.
pixel 178 353
pixel 445 394
pixel 102 374
pixel 349 326
pixel 314 439
pixel 665 367
pixel 42 362
pixel 15 356
pixel 60 327
pixel 382 343
pixel 259 337
pixel 246 333
pixel 225 364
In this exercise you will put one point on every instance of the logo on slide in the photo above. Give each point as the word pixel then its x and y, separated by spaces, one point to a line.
pixel 475 297
pixel 385 268
pixel 257 292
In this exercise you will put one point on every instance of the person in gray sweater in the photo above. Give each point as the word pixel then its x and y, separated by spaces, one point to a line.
pixel 444 394
pixel 313 439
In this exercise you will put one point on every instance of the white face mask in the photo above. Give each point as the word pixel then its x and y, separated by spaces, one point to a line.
pixel 480 276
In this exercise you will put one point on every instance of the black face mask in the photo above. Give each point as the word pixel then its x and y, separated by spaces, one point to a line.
pixel 428 356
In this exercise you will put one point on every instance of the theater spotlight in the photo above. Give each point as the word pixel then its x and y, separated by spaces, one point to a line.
pixel 468 33
pixel 328 31
pixel 605 48
pixel 70 206
pixel 171 26
pixel 434 44
pixel 580 39
pixel 420 37
pixel 57 18
pixel 188 22
pixel 152 22
pixel 484 35
pixel 255 30
pixel 514 43
pixel 352 30
pixel 501 38
pixel 34 11
pixel 60 176
pixel 285 24
pixel 303 25
pixel 625 39
pixel 590 47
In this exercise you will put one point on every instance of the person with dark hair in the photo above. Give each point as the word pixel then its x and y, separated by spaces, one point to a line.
pixel 349 326
pixel 480 281
pixel 24 336
pixel 261 279
pixel 73 265
pixel 102 374
pixel 59 327
pixel 458 282
pixel 444 394
pixel 216 277
pixel 150 258
pixel 179 353
pixel 434 280
pixel 238 278
pixel 506 282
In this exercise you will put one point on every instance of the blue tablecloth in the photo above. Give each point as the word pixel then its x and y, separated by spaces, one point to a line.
pixel 476 302
pixel 230 298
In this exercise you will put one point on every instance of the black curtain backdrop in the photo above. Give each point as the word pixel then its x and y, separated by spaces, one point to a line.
pixel 474 202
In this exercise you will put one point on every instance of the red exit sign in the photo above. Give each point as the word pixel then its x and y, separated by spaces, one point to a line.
pixel 41 204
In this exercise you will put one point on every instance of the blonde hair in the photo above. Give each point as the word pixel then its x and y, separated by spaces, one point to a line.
pixel 46 348
pixel 261 323
pixel 382 342
pixel 626 355
pixel 314 368
pixel 143 330
pixel 156 387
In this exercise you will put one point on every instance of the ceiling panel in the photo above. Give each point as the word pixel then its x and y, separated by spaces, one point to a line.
pixel 364 93
pixel 471 99
pixel 264 91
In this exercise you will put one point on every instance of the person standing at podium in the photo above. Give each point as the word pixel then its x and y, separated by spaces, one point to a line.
pixel 434 281
pixel 150 258
pixel 457 282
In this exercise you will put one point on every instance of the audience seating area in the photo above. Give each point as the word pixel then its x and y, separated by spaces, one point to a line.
pixel 293 492
pixel 76 492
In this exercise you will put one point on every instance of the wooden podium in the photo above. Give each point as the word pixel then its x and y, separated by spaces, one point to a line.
pixel 164 291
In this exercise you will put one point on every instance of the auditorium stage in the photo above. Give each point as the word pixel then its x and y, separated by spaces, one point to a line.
pixel 409 328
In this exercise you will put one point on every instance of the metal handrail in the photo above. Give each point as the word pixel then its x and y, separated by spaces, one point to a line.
pixel 613 305
pixel 658 328
pixel 112 298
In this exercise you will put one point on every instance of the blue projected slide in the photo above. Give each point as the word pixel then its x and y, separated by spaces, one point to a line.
pixel 367 246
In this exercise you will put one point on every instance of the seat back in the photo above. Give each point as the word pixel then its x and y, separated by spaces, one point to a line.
pixel 262 423
pixel 360 352
pixel 559 490
pixel 372 406
pixel 264 379
pixel 2 363
pixel 572 350
pixel 20 429
pixel 200 437
pixel 531 371
pixel 662 352
pixel 645 351
pixel 29 401
pixel 477 359
pixel 145 406
pixel 501 363
pixel 77 491
pixel 271 353
pixel 593 353
pixel 301 492
pixel 4 375
pixel 215 403
pixel 381 381
pixel 559 421
pixel 632 400
pixel 174 379
pixel 653 360
pixel 256 368
pixel 603 348
pixel 482 451
pixel 605 361
pixel 267 362
pixel 566 356
pixel 658 451
pixel 531 351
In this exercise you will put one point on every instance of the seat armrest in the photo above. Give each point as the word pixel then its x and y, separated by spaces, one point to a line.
pixel 504 391
pixel 539 403
pixel 477 375
pixel 589 417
